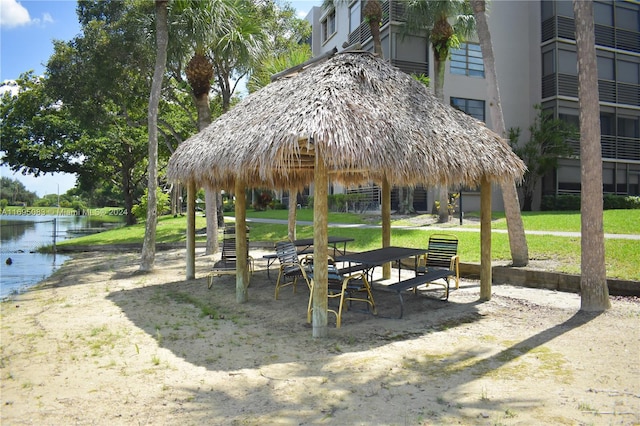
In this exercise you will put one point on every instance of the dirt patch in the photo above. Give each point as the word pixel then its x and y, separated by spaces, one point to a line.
pixel 98 343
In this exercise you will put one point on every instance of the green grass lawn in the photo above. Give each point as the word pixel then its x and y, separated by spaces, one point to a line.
pixel 622 256
pixel 615 221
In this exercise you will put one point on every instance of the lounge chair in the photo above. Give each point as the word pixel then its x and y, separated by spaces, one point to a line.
pixel 227 264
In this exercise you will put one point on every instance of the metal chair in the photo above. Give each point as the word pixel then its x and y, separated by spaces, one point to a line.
pixel 442 253
pixel 290 269
pixel 345 288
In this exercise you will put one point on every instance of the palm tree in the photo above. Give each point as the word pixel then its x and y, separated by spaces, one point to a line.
pixel 162 39
pixel 235 50
pixel 435 17
pixel 198 26
pixel 517 239
pixel 270 65
pixel 594 294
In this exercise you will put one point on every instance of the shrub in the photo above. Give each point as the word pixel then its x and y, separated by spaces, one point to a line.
pixel 621 202
pixel 228 205
pixel 264 200
pixel 277 205
pixel 162 199
pixel 560 202
pixel 78 206
pixel 572 202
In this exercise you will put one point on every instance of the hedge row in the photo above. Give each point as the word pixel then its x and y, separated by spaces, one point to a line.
pixel 572 202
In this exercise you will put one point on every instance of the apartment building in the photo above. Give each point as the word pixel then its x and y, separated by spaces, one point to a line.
pixel 535 52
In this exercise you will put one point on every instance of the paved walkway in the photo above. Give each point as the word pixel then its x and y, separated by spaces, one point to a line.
pixel 447 228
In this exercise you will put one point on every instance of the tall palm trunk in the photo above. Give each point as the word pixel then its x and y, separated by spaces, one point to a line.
pixel 199 74
pixel 372 11
pixel 440 36
pixel 515 227
pixel 594 294
pixel 162 40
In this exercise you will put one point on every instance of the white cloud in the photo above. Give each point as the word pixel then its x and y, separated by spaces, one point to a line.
pixel 46 19
pixel 13 14
pixel 9 86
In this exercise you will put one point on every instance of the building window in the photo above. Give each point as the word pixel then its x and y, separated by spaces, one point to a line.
pixel 627 18
pixel 547 9
pixel 567 62
pixel 328 25
pixel 472 107
pixel 354 17
pixel 628 127
pixel 603 14
pixel 605 68
pixel 628 72
pixel 606 124
pixel 467 60
pixel 548 63
pixel 564 8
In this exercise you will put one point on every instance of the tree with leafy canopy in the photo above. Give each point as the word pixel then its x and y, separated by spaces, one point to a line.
pixel 39 135
pixel 108 66
pixel 162 39
pixel 548 142
pixel 100 82
pixel 14 192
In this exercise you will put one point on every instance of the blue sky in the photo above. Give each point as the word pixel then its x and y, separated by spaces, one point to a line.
pixel 27 31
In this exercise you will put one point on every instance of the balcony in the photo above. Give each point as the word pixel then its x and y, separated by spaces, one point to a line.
pixel 411 67
pixel 617 38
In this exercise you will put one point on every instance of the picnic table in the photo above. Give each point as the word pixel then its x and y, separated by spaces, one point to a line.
pixel 368 260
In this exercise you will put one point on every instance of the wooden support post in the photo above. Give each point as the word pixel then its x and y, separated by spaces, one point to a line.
pixel 320 249
pixel 485 240
pixel 386 223
pixel 242 272
pixel 293 206
pixel 191 230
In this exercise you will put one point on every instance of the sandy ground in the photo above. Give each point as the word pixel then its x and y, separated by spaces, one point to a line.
pixel 98 343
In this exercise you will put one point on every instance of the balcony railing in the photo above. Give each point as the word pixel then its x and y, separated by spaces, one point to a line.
pixel 564 27
pixel 411 67
pixel 612 148
pixel 608 91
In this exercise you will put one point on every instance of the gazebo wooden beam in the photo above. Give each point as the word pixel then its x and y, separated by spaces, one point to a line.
pixel 485 240
pixel 191 230
pixel 386 223
pixel 242 275
pixel 320 302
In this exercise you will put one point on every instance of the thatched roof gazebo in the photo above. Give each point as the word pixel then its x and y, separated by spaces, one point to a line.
pixel 352 118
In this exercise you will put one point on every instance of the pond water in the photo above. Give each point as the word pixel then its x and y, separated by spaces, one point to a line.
pixel 21 266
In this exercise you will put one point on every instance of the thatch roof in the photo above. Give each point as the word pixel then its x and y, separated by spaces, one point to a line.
pixel 364 116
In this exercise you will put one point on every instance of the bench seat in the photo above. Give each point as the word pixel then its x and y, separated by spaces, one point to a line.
pixel 426 278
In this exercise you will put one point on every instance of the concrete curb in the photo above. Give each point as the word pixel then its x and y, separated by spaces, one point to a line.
pixel 534 278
